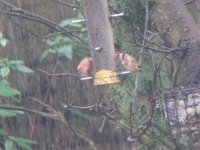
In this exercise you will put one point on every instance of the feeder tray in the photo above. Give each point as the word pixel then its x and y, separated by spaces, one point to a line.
pixel 105 77
pixel 182 109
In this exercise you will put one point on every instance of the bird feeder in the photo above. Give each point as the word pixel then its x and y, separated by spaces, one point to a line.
pixel 182 110
pixel 101 43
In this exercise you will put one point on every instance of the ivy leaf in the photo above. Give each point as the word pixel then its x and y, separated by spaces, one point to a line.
pixel 6 90
pixel 66 51
pixel 5 71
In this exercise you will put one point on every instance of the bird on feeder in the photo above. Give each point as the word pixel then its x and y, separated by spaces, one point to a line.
pixel 84 68
pixel 129 62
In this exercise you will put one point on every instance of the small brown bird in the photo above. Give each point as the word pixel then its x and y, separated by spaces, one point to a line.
pixel 84 68
pixel 129 62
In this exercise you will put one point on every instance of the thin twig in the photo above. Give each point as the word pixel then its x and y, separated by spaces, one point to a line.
pixel 189 2
pixel 80 107
pixel 55 74
pixel 48 106
pixel 56 116
pixel 61 33
pixel 167 135
pixel 81 135
pixel 103 124
pixel 35 112
pixel 66 4
pixel 51 79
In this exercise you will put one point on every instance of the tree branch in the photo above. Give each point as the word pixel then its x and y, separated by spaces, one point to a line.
pixel 66 4
pixel 55 74
pixel 34 112
pixel 18 12
pixel 189 2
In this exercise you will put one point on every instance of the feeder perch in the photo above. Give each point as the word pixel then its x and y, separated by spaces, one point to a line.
pixel 119 75
pixel 86 78
pixel 79 21
pixel 182 110
pixel 116 15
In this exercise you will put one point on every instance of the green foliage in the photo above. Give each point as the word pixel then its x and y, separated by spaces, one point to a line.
pixel 120 99
pixel 126 31
pixel 3 41
pixel 19 66
pixel 6 65
pixel 68 22
pixel 66 51
pixel 9 145
pixel 63 45
pixel 14 141
pixel 6 90
pixel 58 45
pixel 10 113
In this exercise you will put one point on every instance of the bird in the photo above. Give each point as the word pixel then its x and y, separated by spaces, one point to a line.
pixel 129 62
pixel 84 68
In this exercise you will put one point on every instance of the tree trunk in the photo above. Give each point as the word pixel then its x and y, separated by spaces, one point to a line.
pixel 100 34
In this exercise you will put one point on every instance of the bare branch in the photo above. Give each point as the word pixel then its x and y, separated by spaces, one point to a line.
pixel 48 106
pixel 55 74
pixel 66 4
pixel 39 113
pixel 189 2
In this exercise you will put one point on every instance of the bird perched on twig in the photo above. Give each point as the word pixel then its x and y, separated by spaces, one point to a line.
pixel 129 62
pixel 84 68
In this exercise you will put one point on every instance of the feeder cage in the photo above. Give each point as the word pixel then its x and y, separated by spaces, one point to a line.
pixel 182 110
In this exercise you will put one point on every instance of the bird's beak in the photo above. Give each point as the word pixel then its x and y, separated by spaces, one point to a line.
pixel 138 67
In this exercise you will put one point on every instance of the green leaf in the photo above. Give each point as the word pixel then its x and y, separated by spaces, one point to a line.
pixel 81 114
pixel 54 40
pixel 23 68
pixel 15 99
pixel 66 51
pixel 2 132
pixel 8 145
pixel 52 51
pixel 6 90
pixel 5 71
pixel 3 42
pixel 25 146
pixel 43 55
pixel 14 62
pixel 4 62
pixel 68 22
pixel 9 113
pixel 21 140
